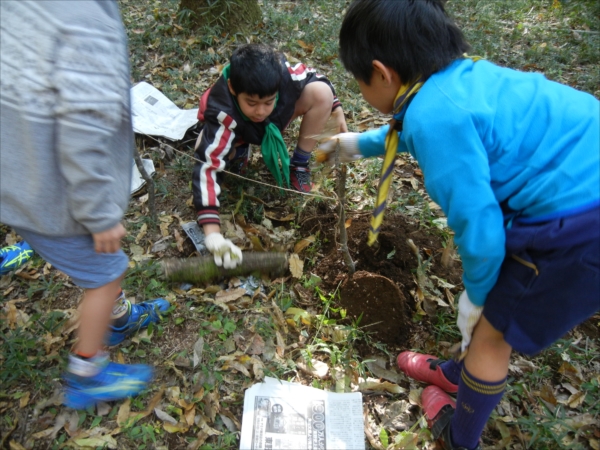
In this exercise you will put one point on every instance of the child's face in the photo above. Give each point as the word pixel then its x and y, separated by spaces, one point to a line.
pixel 256 108
pixel 381 91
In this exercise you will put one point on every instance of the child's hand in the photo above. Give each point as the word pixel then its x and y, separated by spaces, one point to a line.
pixel 468 316
pixel 225 252
pixel 348 148
pixel 109 241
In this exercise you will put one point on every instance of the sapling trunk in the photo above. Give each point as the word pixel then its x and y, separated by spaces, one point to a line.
pixel 203 269
pixel 341 191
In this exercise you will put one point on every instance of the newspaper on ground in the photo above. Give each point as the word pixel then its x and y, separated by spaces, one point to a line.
pixel 192 229
pixel 154 114
pixel 283 415
pixel 137 181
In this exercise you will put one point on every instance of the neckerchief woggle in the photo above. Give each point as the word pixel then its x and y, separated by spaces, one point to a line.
pixel 403 98
pixel 272 147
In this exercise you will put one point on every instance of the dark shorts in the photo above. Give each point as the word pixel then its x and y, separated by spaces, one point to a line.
pixel 549 281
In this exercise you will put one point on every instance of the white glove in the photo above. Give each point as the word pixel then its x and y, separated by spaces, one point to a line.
pixel 226 253
pixel 468 316
pixel 348 148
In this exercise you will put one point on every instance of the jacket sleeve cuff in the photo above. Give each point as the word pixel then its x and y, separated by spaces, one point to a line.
pixel 209 215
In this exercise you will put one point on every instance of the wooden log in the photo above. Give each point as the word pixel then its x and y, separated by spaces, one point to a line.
pixel 203 269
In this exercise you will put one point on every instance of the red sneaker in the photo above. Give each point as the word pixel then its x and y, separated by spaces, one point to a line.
pixel 425 368
pixel 439 408
pixel 300 178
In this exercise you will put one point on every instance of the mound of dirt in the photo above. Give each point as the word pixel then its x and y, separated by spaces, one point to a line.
pixel 378 302
pixel 386 305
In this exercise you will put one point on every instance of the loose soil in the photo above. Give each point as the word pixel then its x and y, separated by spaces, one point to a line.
pixel 381 290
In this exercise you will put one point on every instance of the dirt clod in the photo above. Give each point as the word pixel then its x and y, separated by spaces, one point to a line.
pixel 380 303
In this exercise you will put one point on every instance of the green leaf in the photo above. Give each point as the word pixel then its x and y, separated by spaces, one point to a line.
pixel 96 422
pixel 383 437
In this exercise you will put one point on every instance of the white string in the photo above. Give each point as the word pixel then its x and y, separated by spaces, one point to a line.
pixel 240 176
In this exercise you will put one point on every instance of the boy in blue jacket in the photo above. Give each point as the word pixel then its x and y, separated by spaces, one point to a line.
pixel 513 159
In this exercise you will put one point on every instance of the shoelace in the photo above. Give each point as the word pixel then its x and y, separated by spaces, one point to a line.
pixel 302 177
pixel 145 308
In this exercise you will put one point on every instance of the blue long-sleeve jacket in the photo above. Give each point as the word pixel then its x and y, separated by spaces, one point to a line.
pixel 494 143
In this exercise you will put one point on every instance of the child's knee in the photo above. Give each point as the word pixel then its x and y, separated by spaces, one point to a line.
pixel 316 95
pixel 487 338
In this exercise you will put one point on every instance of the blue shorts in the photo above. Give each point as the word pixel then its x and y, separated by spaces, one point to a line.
pixel 76 257
pixel 549 281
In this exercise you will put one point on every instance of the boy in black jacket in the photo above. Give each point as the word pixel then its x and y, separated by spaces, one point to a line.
pixel 257 96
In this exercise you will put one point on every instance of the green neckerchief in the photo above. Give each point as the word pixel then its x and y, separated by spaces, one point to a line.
pixel 272 146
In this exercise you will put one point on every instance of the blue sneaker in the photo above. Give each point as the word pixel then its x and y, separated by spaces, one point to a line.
pixel 140 316
pixel 14 256
pixel 114 382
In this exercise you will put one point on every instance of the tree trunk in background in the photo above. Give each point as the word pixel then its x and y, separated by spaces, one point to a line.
pixel 231 16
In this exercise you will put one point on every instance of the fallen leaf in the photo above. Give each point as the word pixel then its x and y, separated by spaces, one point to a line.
pixel 178 240
pixel 14 445
pixel 378 368
pixel 301 314
pixel 173 393
pixel 576 400
pixel 228 423
pixel 165 417
pixel 230 295
pixel 24 400
pixel 414 396
pixel 175 428
pixel 102 408
pixel 303 243
pixel 280 347
pixel 547 394
pixel 190 416
pixel 211 404
pixel 257 345
pixel 296 266
pixel 198 347
pixel 237 366
pixel 376 385
pixel 316 368
pixel 97 441
pixel 142 233
pixel 123 414
pixel 306 46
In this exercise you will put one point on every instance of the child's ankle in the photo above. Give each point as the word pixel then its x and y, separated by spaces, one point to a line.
pixel 87 365
pixel 121 311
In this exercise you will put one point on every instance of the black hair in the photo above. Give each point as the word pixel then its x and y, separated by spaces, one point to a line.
pixel 413 37
pixel 255 70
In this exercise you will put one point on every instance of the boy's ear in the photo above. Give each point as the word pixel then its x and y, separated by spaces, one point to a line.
pixel 384 73
pixel 230 88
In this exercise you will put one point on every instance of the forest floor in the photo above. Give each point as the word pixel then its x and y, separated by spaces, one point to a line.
pixel 222 337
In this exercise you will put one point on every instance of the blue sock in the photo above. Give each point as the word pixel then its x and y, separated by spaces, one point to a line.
pixel 452 370
pixel 300 157
pixel 475 402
